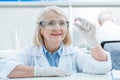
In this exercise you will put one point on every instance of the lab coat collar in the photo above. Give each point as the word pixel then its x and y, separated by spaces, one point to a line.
pixel 38 51
pixel 59 51
pixel 38 54
pixel 65 58
pixel 63 62
pixel 67 50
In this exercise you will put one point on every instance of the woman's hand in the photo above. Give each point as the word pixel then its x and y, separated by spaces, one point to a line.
pixel 88 31
pixel 49 72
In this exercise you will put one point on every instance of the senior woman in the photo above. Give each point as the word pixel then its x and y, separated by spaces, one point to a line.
pixel 52 53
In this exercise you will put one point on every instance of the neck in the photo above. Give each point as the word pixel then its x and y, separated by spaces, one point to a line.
pixel 52 46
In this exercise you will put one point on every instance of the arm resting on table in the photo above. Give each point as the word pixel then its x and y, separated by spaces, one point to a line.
pixel 21 71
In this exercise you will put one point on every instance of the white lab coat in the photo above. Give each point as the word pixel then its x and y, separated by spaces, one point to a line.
pixel 108 32
pixel 71 60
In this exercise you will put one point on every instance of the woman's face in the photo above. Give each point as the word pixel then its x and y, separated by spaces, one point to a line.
pixel 55 27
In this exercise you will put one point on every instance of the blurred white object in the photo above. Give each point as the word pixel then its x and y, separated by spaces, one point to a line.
pixel 116 74
pixel 5 53
pixel 17 37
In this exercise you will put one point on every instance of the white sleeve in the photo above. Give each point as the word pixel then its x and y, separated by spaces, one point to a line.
pixel 7 68
pixel 9 63
pixel 86 63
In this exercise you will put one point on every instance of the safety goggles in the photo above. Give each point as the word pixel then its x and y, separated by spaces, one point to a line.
pixel 54 23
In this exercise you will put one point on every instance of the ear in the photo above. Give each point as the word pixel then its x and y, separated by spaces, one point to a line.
pixel 41 31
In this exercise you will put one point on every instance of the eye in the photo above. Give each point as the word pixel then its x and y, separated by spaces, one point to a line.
pixel 50 23
pixel 62 23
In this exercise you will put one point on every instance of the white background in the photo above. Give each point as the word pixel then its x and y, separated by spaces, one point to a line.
pixel 24 20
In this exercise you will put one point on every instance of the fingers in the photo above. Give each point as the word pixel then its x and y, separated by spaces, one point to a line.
pixel 57 72
pixel 61 73
pixel 64 73
pixel 83 24
pixel 79 27
pixel 78 19
pixel 50 72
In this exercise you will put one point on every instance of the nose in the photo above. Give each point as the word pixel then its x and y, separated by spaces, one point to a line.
pixel 57 26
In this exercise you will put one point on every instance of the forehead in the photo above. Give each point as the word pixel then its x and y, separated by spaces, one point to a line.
pixel 53 15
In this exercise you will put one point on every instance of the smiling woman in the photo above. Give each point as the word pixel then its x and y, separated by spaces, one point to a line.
pixel 52 53
pixel 54 30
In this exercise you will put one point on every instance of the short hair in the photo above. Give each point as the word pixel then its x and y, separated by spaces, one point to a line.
pixel 38 38
pixel 105 15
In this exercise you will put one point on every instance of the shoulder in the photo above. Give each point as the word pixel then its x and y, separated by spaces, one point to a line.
pixel 69 48
pixel 31 49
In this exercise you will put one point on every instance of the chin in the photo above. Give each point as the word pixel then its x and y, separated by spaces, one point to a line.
pixel 58 40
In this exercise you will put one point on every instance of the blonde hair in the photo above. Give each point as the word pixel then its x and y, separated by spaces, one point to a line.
pixel 38 38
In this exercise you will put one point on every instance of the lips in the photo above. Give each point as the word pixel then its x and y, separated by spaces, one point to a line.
pixel 57 34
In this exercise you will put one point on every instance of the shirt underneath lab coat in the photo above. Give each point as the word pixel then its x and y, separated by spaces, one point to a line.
pixel 71 60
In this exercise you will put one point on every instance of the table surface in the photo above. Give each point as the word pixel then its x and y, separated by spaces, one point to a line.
pixel 75 76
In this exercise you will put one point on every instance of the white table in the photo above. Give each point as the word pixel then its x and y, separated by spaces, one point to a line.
pixel 78 76
pixel 5 53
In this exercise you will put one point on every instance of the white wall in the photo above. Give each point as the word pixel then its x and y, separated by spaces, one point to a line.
pixel 91 14
pixel 11 19
pixel 24 19
pixel 21 18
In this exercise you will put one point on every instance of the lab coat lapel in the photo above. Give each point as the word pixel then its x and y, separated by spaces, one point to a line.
pixel 64 59
pixel 63 62
pixel 42 61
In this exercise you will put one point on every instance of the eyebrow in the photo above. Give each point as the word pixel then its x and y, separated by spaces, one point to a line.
pixel 55 20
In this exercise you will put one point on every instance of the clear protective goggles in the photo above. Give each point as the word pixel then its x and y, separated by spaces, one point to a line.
pixel 54 23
